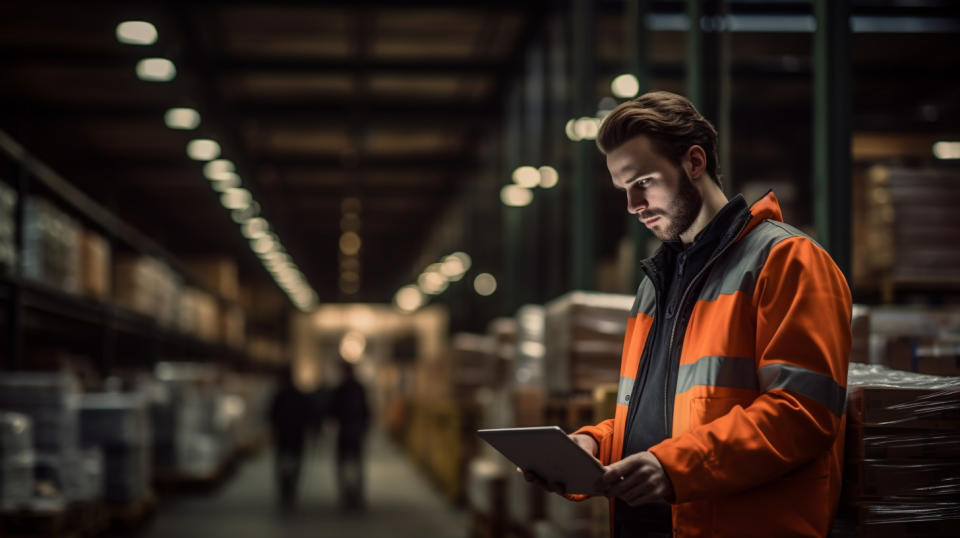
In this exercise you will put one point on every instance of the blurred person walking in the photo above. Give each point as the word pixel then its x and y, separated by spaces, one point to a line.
pixel 348 406
pixel 290 415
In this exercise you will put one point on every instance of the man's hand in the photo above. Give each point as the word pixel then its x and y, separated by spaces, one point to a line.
pixel 584 441
pixel 637 479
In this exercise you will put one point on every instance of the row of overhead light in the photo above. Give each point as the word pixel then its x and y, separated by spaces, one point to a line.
pixel 625 86
pixel 525 179
pixel 436 278
pixel 222 175
pixel 350 244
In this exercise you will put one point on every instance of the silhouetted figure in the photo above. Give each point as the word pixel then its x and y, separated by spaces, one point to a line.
pixel 290 415
pixel 348 406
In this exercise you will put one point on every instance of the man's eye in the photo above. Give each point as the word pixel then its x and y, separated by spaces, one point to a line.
pixel 643 182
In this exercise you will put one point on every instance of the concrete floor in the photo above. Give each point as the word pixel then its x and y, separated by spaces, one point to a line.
pixel 401 503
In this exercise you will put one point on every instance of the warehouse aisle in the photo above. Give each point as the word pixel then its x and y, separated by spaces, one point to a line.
pixel 402 503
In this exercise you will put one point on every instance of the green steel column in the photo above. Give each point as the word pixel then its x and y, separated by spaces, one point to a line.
pixel 638 59
pixel 831 130
pixel 694 56
pixel 584 152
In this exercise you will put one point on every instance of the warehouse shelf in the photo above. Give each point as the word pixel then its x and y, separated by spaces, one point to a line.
pixel 34 307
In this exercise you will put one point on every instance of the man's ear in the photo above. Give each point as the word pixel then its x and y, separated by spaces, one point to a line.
pixel 696 161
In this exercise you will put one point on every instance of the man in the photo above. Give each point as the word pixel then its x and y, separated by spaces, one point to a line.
pixel 729 415
pixel 289 416
pixel 349 407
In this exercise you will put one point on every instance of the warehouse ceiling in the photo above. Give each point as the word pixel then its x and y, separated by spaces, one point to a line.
pixel 382 102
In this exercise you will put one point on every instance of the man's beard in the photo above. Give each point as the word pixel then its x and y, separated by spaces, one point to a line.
pixel 682 212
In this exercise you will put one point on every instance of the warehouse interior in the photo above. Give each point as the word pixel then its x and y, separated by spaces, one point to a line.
pixel 197 200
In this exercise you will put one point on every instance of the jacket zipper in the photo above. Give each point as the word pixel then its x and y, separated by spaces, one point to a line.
pixel 634 392
pixel 681 312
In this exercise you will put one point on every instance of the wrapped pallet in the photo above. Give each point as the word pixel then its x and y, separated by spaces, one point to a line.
pixel 118 424
pixel 51 248
pixel 901 471
pixel 16 460
pixel 584 337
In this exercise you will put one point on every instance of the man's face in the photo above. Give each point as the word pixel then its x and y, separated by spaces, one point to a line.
pixel 659 193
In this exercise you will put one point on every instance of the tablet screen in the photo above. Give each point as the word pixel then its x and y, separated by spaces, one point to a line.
pixel 549 453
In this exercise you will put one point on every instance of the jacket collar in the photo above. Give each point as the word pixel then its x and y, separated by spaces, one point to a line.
pixel 766 208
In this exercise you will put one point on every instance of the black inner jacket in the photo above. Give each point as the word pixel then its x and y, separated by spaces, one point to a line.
pixel 650 415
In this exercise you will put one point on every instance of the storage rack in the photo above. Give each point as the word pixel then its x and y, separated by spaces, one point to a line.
pixel 33 307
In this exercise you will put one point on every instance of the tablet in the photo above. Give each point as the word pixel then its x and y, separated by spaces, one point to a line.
pixel 547 452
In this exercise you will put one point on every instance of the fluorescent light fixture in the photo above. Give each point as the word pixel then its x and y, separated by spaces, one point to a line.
pixel 136 33
pixel 946 150
pixel 236 198
pixel 408 298
pixel 216 168
pixel 243 215
pixel 350 243
pixel 256 228
pixel 527 177
pixel 156 70
pixel 571 130
pixel 464 259
pixel 203 149
pixel 625 86
pixel 186 119
pixel 515 196
pixel 548 177
pixel 485 284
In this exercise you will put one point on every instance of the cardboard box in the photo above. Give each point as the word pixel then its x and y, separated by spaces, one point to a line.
pixel 219 274
pixel 934 409
pixel 95 260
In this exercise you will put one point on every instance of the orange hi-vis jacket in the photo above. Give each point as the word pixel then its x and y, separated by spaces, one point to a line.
pixel 756 444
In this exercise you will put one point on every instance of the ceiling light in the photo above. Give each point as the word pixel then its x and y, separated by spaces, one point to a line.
pixel 571 130
pixel 947 150
pixel 352 346
pixel 452 267
pixel 586 128
pixel 136 33
pixel 464 258
pixel 263 244
pixel 350 243
pixel 625 86
pixel 485 284
pixel 235 198
pixel 408 298
pixel 243 215
pixel 215 168
pixel 203 149
pixel 432 283
pixel 515 196
pixel 526 176
pixel 548 177
pixel 255 228
pixel 227 181
pixel 156 70
pixel 182 118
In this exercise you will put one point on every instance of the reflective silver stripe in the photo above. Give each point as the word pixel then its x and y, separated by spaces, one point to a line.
pixel 623 391
pixel 740 267
pixel 805 382
pixel 714 371
pixel 646 300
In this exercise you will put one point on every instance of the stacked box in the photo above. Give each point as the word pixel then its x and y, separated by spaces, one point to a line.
pixel 486 498
pixel 95 273
pixel 218 274
pixel 474 364
pixel 199 315
pixel 902 454
pixel 118 424
pixel 528 362
pixel 584 337
pixel 923 340
pixel 233 327
pixel 8 228
pixel 51 249
pixel 16 460
pixel 148 286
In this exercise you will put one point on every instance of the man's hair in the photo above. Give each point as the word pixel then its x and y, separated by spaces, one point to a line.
pixel 670 120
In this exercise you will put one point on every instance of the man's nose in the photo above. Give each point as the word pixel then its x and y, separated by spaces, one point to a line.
pixel 635 203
